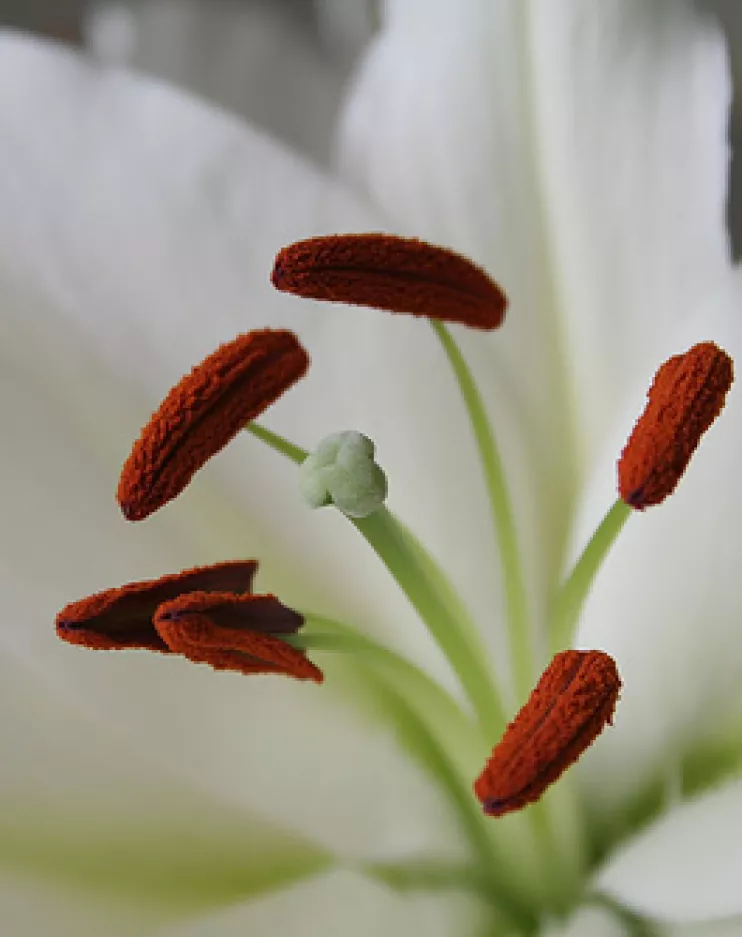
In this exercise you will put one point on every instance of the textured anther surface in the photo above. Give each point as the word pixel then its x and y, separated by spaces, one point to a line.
pixel 397 274
pixel 687 395
pixel 203 412
pixel 571 704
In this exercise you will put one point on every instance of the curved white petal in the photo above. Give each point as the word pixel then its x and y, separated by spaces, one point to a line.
pixel 437 130
pixel 685 868
pixel 578 150
pixel 148 223
pixel 632 105
pixel 176 208
pixel 83 811
pixel 336 905
pixel 666 602
pixel 291 752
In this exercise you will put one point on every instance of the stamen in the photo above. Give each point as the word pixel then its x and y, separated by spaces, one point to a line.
pixel 687 395
pixel 235 632
pixel 573 701
pixel 203 412
pixel 121 618
pixel 393 273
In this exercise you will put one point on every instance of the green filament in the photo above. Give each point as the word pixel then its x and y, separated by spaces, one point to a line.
pixel 502 516
pixel 431 594
pixel 572 595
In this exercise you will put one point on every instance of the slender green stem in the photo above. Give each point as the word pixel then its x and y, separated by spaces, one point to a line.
pixel 505 886
pixel 523 659
pixel 375 668
pixel 576 588
pixel 440 608
pixel 279 443
pixel 431 594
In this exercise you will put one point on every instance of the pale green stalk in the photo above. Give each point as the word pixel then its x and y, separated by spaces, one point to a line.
pixel 462 739
pixel 439 606
pixel 575 590
pixel 430 593
pixel 495 864
pixel 516 606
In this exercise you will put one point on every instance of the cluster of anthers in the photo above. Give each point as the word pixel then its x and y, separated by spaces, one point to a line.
pixel 210 614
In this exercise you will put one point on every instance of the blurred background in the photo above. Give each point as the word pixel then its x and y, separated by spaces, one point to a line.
pixel 282 64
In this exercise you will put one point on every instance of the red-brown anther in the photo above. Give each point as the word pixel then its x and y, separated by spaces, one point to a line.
pixel 235 632
pixel 123 617
pixel 573 701
pixel 393 273
pixel 204 412
pixel 687 395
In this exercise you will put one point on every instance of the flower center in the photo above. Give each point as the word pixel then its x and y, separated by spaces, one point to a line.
pixel 525 863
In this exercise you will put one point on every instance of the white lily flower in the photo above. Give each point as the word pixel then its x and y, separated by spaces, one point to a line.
pixel 577 151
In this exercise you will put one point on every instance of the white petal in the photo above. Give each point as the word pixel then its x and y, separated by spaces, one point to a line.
pixel 144 212
pixel 687 867
pixel 84 812
pixel 143 245
pixel 245 741
pixel 578 150
pixel 588 922
pixel 337 905
pixel 149 223
pixel 632 107
pixel 438 131
pixel 150 238
pixel 666 603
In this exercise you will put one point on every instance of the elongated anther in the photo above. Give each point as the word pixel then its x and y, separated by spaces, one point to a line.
pixel 203 412
pixel 687 395
pixel 573 701
pixel 235 632
pixel 393 273
pixel 123 617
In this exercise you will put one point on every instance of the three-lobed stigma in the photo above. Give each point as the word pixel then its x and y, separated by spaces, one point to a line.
pixel 341 471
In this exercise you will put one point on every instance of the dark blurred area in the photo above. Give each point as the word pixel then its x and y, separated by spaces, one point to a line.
pixel 729 13
pixel 62 19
